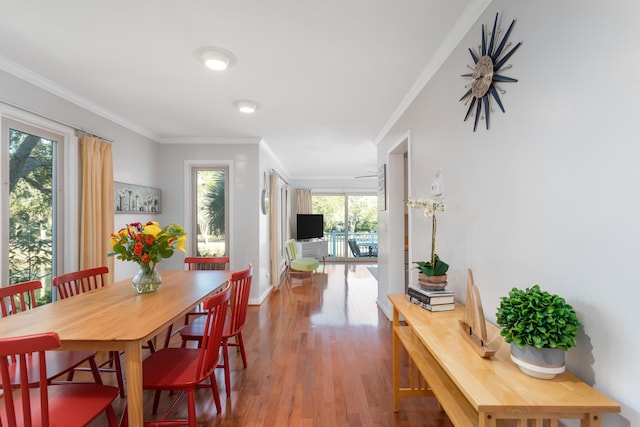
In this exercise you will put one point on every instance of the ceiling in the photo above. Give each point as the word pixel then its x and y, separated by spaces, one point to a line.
pixel 329 75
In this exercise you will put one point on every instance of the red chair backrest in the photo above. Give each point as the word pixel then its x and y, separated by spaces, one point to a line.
pixel 22 347
pixel 207 263
pixel 241 287
pixel 18 297
pixel 75 283
pixel 216 308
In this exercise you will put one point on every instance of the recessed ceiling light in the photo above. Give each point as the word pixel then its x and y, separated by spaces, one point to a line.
pixel 246 106
pixel 216 58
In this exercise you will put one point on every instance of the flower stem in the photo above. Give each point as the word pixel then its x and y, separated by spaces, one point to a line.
pixel 433 241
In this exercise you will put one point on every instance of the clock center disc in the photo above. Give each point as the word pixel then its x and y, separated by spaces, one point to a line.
pixel 482 76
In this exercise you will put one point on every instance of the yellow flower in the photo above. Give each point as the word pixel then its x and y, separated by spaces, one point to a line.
pixel 181 244
pixel 152 229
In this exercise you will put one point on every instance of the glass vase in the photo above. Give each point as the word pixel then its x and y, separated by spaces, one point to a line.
pixel 147 280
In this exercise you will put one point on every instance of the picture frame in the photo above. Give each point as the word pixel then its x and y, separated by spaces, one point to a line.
pixel 138 199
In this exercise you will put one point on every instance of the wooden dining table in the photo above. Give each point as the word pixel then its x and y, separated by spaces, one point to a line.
pixel 116 317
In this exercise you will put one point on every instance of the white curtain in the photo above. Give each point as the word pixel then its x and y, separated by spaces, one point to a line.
pixel 303 201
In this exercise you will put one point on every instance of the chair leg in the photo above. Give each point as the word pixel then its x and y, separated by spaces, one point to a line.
pixel 156 401
pixel 241 345
pixel 111 416
pixel 167 338
pixel 124 421
pixel 95 371
pixel 118 369
pixel 191 400
pixel 216 393
pixel 225 359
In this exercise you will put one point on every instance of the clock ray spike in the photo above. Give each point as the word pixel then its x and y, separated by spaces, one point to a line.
pixel 493 35
pixel 484 42
pixel 486 110
pixel 478 112
pixel 474 56
pixel 495 95
pixel 500 63
pixel 466 95
pixel 498 51
pixel 501 78
pixel 473 101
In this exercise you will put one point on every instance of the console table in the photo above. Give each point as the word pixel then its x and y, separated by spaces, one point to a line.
pixel 318 249
pixel 473 391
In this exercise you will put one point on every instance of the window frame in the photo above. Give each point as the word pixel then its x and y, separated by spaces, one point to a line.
pixel 190 214
pixel 67 229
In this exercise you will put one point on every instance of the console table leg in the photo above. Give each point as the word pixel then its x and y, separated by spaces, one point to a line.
pixel 486 419
pixel 591 420
pixel 396 363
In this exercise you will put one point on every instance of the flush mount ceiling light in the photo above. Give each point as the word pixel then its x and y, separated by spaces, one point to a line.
pixel 216 58
pixel 246 106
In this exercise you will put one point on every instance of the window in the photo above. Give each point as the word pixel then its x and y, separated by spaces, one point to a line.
pixel 32 203
pixel 349 217
pixel 210 211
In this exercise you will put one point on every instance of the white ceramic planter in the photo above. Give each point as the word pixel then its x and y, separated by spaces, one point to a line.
pixel 544 363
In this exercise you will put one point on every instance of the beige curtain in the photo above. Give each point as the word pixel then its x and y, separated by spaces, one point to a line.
pixel 274 229
pixel 96 216
pixel 303 201
pixel 287 212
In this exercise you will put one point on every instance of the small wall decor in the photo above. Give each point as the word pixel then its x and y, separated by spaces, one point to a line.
pixel 382 188
pixel 264 198
pixel 130 198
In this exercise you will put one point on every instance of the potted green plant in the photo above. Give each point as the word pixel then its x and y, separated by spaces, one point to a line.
pixel 540 327
pixel 433 273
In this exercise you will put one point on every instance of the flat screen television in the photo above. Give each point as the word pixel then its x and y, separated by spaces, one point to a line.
pixel 309 226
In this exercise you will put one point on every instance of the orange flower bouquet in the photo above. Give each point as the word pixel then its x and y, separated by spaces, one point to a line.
pixel 147 244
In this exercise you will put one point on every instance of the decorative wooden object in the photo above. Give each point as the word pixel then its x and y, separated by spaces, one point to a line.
pixel 472 326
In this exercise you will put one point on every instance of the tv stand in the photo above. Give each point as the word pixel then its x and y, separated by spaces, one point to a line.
pixel 318 249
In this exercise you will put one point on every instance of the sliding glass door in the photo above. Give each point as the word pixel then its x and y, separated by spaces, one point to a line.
pixel 350 224
pixel 30 204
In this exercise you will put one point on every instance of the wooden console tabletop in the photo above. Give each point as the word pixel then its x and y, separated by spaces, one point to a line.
pixel 482 392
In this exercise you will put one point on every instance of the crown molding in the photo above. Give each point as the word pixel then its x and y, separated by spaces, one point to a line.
pixel 453 39
pixel 209 140
pixel 37 80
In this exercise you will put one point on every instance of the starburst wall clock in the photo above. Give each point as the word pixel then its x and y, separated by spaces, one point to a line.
pixel 488 61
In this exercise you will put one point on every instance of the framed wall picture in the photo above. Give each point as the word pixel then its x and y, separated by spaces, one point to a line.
pixel 382 188
pixel 130 198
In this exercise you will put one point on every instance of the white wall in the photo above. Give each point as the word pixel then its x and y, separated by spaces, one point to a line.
pixel 245 218
pixel 268 163
pixel 549 194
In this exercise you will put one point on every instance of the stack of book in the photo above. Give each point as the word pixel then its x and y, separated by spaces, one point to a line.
pixel 441 300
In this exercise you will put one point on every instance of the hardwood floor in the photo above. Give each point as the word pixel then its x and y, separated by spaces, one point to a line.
pixel 319 354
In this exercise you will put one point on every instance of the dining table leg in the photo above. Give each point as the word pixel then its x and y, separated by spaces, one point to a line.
pixel 133 363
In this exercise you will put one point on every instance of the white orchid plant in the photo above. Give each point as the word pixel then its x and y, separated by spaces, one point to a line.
pixel 435 266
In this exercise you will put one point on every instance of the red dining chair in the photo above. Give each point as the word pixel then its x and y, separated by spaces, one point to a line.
pixel 78 282
pixel 184 369
pixel 198 263
pixel 21 297
pixel 240 289
pixel 61 405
